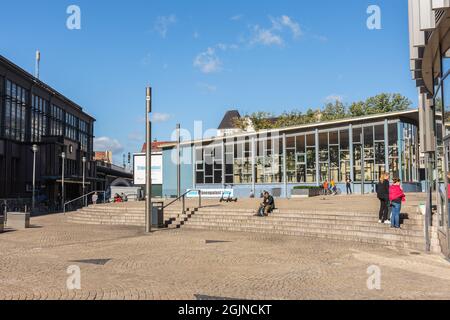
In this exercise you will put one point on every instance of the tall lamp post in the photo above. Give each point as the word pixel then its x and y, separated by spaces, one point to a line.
pixel 63 195
pixel 35 150
pixel 148 162
pixel 178 161
pixel 84 180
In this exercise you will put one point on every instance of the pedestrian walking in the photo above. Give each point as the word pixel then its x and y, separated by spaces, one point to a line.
pixel 383 196
pixel 349 185
pixel 94 198
pixel 397 197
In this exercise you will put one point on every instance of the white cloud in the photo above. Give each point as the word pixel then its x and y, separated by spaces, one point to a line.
pixel 334 97
pixel 163 23
pixel 286 21
pixel 237 17
pixel 274 34
pixel 225 47
pixel 208 61
pixel 266 37
pixel 108 144
pixel 160 117
pixel 207 87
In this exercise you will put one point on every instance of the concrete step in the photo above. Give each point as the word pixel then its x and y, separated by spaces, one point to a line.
pixel 286 213
pixel 411 229
pixel 401 235
pixel 386 240
pixel 295 217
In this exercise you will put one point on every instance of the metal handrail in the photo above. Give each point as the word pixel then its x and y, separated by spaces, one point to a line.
pixel 82 197
pixel 183 197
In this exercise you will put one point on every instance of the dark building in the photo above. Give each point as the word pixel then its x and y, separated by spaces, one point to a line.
pixel 32 112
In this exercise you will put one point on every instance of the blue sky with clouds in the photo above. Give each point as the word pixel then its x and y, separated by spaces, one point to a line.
pixel 205 57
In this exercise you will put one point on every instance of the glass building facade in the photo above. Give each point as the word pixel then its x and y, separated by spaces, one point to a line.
pixel 33 113
pixel 360 149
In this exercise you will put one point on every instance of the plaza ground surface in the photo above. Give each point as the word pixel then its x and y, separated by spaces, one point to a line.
pixel 124 263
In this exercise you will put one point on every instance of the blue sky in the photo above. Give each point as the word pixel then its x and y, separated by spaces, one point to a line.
pixel 205 57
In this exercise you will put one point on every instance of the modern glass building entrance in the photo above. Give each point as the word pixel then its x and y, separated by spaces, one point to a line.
pixel 358 148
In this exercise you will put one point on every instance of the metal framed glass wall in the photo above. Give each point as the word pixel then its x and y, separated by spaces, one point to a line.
pixel 39 118
pixel 209 164
pixel 442 107
pixel 361 152
pixel 269 160
pixel 239 162
pixel 14 122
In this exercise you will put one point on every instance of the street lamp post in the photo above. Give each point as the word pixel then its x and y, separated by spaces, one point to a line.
pixel 178 161
pixel 363 171
pixel 84 180
pixel 35 150
pixel 148 162
pixel 63 195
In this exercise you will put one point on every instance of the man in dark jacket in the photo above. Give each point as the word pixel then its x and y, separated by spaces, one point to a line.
pixel 383 196
pixel 267 206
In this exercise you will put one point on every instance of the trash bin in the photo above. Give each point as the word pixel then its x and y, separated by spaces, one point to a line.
pixel 158 214
pixel 18 220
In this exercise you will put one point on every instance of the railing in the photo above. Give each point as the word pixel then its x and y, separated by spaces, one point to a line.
pixel 183 199
pixel 84 200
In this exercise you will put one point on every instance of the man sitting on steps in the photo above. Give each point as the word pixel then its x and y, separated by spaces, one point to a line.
pixel 267 206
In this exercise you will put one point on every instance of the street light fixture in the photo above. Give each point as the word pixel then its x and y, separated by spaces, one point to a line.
pixel 63 157
pixel 35 149
pixel 84 159
pixel 148 162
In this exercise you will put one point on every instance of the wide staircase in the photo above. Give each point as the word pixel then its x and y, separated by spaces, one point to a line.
pixel 127 214
pixel 334 218
pixel 359 224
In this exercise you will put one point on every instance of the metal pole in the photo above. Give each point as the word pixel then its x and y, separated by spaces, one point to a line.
pixel 38 60
pixel 253 166
pixel 84 181
pixel 429 203
pixel 63 156
pixel 33 206
pixel 178 161
pixel 286 193
pixel 148 157
pixel 363 163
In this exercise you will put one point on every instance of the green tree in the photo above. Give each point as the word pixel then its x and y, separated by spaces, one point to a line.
pixel 334 111
pixel 385 102
pixel 288 119
pixel 357 109
pixel 381 103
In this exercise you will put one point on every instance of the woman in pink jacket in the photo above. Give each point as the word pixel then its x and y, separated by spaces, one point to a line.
pixel 397 197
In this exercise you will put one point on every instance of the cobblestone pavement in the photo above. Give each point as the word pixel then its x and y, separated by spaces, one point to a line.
pixel 124 263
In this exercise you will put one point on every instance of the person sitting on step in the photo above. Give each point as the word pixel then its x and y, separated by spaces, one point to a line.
pixel 267 206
